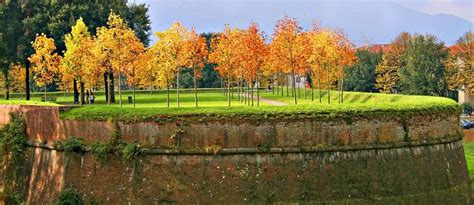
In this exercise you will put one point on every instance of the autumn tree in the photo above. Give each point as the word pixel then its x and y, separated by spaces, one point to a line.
pixel 170 56
pixel 345 58
pixel 254 54
pixel 194 55
pixel 323 58
pixel 225 55
pixel 78 53
pixel 112 52
pixel 286 47
pixel 17 77
pixel 135 60
pixel 45 62
pixel 393 58
pixel 460 64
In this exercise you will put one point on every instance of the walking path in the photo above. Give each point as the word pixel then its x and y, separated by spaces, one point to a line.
pixel 268 101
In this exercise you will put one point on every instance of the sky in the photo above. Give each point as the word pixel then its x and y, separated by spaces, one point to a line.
pixel 363 20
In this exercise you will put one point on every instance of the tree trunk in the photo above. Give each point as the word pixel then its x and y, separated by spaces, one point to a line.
pixel 7 87
pixel 328 86
pixel 251 90
pixel 177 89
pixel 106 87
pixel 45 93
pixel 282 77
pixel 195 88
pixel 120 88
pixel 248 93
pixel 319 86
pixel 298 88
pixel 273 84
pixel 342 89
pixel 304 86
pixel 90 96
pixel 258 92
pixel 112 87
pixel 133 90
pixel 27 80
pixel 75 92
pixel 245 92
pixel 109 90
pixel 167 93
pixel 83 101
pixel 294 87
pixel 228 89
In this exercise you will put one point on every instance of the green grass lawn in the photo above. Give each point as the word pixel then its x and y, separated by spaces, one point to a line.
pixel 469 153
pixel 213 103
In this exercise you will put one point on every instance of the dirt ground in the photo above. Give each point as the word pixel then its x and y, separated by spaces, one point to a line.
pixel 469 135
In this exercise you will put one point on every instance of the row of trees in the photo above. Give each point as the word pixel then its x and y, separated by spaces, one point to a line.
pixel 244 59
pixel 415 64
pixel 242 56
pixel 21 20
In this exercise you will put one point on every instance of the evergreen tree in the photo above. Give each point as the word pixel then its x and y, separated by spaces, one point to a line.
pixel 361 76
pixel 424 71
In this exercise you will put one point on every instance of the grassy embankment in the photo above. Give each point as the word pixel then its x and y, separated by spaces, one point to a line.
pixel 211 103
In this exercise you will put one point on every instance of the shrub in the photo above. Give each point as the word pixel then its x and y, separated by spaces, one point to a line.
pixel 69 197
pixel 71 145
pixel 101 150
pixel 468 108
pixel 13 135
pixel 130 150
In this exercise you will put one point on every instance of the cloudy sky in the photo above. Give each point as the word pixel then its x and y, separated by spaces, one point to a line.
pixel 460 8
pixel 377 21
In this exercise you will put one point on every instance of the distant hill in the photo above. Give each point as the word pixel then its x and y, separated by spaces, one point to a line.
pixel 364 22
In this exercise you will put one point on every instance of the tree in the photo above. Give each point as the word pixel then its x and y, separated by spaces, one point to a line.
pixel 112 51
pixel 169 52
pixel 17 76
pixel 23 19
pixel 345 58
pixel 45 62
pixel 135 61
pixel 424 70
pixel 225 54
pixel 392 60
pixel 194 56
pixel 254 54
pixel 323 58
pixel 460 64
pixel 361 76
pixel 285 46
pixel 10 22
pixel 77 55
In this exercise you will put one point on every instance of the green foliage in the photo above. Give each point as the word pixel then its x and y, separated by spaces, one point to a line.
pixel 361 76
pixel 424 71
pixel 101 150
pixel 71 145
pixel 131 150
pixel 13 137
pixel 69 197
pixel 13 142
pixel 468 108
